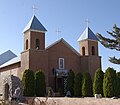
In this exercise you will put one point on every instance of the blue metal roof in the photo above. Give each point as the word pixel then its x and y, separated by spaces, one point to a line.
pixel 12 61
pixel 6 56
pixel 34 24
pixel 87 34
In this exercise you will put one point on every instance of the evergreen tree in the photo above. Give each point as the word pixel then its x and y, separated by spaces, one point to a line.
pixel 98 82
pixel 78 85
pixel 40 84
pixel 70 82
pixel 28 83
pixel 118 84
pixel 110 83
pixel 86 85
pixel 112 43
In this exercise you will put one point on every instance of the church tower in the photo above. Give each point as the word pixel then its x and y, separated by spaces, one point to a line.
pixel 34 56
pixel 34 35
pixel 90 59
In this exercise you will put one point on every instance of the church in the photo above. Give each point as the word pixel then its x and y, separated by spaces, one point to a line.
pixel 54 60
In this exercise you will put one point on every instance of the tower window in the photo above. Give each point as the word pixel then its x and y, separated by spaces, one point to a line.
pixel 61 63
pixel 83 51
pixel 93 50
pixel 37 44
pixel 26 44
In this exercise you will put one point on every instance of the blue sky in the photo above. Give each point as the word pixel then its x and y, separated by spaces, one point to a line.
pixel 67 15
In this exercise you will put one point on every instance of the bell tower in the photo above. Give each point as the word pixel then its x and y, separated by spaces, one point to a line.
pixel 88 43
pixel 90 59
pixel 34 55
pixel 34 35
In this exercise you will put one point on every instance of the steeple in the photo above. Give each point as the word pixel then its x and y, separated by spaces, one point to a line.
pixel 88 43
pixel 35 25
pixel 34 35
pixel 87 34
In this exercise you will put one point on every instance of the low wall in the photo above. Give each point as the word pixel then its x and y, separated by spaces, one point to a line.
pixel 71 101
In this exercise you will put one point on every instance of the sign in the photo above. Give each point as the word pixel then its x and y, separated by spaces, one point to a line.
pixel 61 73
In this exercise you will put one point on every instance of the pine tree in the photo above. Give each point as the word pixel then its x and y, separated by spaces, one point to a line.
pixel 118 84
pixel 70 82
pixel 112 43
pixel 40 84
pixel 28 83
pixel 98 82
pixel 86 85
pixel 110 83
pixel 78 85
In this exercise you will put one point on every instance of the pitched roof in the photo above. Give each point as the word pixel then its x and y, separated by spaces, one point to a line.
pixel 34 24
pixel 6 56
pixel 10 62
pixel 66 43
pixel 87 34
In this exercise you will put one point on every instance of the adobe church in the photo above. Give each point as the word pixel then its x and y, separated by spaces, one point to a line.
pixel 55 60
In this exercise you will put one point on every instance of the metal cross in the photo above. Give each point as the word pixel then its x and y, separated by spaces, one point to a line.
pixel 34 8
pixel 58 31
pixel 87 22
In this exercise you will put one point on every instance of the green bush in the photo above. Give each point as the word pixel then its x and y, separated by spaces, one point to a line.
pixel 78 85
pixel 86 85
pixel 28 83
pixel 98 82
pixel 70 82
pixel 40 88
pixel 110 83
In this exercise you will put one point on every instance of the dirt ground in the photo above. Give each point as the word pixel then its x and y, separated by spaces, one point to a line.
pixel 77 101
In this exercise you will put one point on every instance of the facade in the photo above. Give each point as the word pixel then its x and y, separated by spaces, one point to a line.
pixel 55 60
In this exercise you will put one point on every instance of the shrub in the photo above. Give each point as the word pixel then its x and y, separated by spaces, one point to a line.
pixel 118 84
pixel 70 82
pixel 110 83
pixel 40 84
pixel 28 83
pixel 78 85
pixel 98 82
pixel 86 85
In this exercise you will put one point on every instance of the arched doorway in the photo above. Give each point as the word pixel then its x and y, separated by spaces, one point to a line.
pixel 7 91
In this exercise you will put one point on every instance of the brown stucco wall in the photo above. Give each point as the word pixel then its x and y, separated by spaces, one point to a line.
pixel 31 36
pixel 9 70
pixel 88 47
pixel 71 59
pixel 90 64
pixel 39 61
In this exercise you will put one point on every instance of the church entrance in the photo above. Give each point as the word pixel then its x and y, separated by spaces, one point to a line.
pixel 7 93
pixel 61 81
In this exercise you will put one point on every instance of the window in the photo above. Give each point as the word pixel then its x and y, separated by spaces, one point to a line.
pixel 61 63
pixel 93 50
pixel 26 44
pixel 37 44
pixel 83 50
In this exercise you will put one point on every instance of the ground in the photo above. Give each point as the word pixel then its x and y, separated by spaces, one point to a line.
pixel 77 101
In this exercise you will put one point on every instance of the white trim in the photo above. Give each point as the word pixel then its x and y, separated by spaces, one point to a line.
pixel 63 63
pixel 88 40
pixel 34 31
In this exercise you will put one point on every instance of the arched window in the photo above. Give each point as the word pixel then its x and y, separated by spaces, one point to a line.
pixel 37 44
pixel 83 51
pixel 26 44
pixel 93 50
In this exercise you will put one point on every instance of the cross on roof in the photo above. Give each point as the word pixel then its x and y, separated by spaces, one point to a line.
pixel 58 31
pixel 34 8
pixel 87 22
